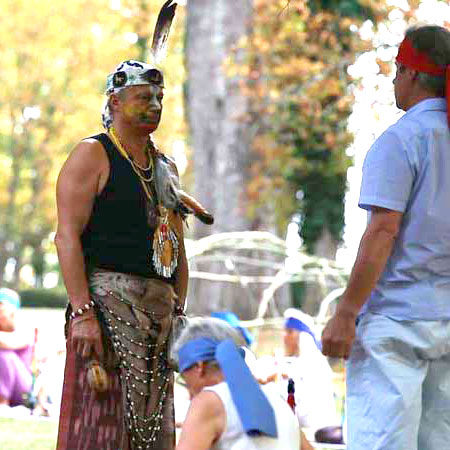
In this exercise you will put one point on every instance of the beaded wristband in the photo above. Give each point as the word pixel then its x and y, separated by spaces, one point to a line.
pixel 82 310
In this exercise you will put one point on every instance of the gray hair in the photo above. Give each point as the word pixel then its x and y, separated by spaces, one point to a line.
pixel 107 112
pixel 435 42
pixel 206 327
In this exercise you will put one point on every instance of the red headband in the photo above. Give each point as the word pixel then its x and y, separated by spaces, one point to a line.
pixel 417 60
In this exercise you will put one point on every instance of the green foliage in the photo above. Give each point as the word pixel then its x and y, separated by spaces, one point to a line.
pixel 344 8
pixel 323 203
pixel 56 56
pixel 302 98
pixel 298 290
pixel 43 298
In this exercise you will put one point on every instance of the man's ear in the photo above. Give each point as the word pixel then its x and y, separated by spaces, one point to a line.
pixel 114 101
pixel 412 74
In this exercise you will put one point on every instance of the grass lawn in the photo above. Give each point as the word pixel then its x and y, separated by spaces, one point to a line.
pixel 28 434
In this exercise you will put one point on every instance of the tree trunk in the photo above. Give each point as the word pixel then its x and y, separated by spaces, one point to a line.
pixel 325 247
pixel 217 110
pixel 15 282
pixel 3 261
pixel 217 114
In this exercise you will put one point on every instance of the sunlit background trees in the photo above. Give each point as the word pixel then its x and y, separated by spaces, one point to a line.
pixel 257 107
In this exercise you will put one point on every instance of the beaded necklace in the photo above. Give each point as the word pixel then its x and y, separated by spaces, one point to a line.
pixel 136 167
pixel 165 242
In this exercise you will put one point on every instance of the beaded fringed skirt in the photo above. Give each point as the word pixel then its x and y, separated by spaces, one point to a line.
pixel 137 411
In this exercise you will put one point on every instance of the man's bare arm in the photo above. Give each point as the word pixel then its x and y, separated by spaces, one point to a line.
pixel 374 250
pixel 79 182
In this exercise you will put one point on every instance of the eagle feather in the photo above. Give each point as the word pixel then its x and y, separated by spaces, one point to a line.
pixel 162 30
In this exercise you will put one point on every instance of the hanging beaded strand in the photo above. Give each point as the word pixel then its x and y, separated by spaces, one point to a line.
pixel 144 429
pixel 165 241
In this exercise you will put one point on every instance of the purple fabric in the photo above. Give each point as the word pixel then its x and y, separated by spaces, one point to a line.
pixel 26 355
pixel 15 374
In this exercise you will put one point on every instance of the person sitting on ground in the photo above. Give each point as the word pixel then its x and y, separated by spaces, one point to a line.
pixel 247 340
pixel 229 409
pixel 308 367
pixel 16 351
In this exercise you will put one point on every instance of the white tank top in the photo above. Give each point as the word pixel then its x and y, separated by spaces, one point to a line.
pixel 234 437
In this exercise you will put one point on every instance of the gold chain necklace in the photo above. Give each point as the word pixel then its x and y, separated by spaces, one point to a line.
pixel 135 166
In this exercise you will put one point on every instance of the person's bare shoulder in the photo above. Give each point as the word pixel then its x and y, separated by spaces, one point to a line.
pixel 210 408
pixel 204 424
pixel 209 401
pixel 88 153
pixel 86 164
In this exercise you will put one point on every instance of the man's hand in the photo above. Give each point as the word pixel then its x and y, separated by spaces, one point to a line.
pixel 87 336
pixel 338 335
pixel 374 251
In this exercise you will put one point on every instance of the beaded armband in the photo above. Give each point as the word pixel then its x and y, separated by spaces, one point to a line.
pixel 82 310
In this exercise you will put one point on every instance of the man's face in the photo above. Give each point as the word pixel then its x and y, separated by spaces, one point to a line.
pixel 291 342
pixel 142 105
pixel 402 86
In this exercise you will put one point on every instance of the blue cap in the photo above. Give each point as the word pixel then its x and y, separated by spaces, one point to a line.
pixel 9 297
pixel 233 320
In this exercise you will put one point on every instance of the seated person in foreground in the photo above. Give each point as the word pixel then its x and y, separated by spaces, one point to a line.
pixel 229 409
pixel 309 368
pixel 16 350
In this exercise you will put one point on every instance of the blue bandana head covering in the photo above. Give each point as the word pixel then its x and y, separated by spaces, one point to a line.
pixel 255 411
pixel 9 297
pixel 295 321
pixel 233 320
pixel 126 74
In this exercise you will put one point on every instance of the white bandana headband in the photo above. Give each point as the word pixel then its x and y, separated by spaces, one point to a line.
pixel 126 74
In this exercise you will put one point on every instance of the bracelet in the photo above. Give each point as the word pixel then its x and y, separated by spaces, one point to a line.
pixel 82 310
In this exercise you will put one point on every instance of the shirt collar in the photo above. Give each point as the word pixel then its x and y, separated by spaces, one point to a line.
pixel 429 104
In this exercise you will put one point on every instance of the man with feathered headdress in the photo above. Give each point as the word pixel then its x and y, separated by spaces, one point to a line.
pixel 120 247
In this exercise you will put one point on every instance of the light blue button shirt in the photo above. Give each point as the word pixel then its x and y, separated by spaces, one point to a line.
pixel 408 170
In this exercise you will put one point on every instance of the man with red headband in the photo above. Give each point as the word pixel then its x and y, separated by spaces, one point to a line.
pixel 398 295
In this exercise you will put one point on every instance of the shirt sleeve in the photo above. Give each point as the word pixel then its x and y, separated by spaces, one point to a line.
pixel 387 175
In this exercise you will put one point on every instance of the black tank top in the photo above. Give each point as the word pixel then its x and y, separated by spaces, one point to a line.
pixel 119 234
